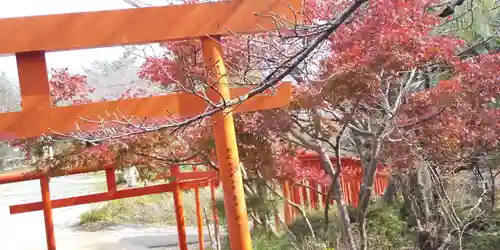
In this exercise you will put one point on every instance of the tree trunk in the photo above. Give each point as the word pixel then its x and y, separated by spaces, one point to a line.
pixel 338 196
pixel 391 190
pixel 366 190
pixel 262 212
pixel 336 189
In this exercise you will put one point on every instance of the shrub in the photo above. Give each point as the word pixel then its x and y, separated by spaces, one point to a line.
pixel 486 239
pixel 386 229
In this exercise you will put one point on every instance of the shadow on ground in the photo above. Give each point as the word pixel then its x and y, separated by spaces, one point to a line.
pixel 143 242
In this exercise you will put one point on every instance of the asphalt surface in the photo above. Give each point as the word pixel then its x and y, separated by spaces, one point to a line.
pixel 27 231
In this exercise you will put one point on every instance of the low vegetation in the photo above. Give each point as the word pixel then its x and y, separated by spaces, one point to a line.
pixel 387 229
pixel 157 209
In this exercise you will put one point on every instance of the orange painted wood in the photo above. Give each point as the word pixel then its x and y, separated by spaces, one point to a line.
pixel 345 187
pixel 139 25
pixel 111 180
pixel 288 208
pixel 314 195
pixel 179 209
pixel 47 213
pixel 292 199
pixel 355 193
pixel 100 197
pixel 33 80
pixel 199 216
pixel 296 198
pixel 383 185
pixel 188 175
pixel 197 175
pixel 19 176
pixel 93 198
pixel 30 123
pixel 227 149
pixel 191 184
pixel 350 177
pixel 350 193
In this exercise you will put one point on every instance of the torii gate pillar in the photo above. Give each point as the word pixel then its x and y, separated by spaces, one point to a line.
pixel 227 151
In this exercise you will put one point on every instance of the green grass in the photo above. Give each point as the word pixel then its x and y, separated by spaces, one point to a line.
pixel 261 241
pixel 156 209
pixel 264 241
pixel 386 231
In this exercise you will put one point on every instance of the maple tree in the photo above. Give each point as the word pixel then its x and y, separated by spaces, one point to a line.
pixel 65 86
pixel 375 72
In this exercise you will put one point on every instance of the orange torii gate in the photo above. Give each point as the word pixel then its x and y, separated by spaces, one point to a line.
pixel 351 176
pixel 182 181
pixel 29 38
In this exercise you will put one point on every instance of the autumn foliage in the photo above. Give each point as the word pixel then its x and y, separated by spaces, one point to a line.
pixel 65 86
pixel 382 41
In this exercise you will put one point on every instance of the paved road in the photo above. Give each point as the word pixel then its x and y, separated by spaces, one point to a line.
pixel 125 238
pixel 15 229
pixel 26 231
pixel 117 238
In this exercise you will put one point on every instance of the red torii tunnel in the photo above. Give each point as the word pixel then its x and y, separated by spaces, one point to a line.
pixel 310 193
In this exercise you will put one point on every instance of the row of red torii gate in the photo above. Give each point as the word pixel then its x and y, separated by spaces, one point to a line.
pixel 307 193
pixel 29 38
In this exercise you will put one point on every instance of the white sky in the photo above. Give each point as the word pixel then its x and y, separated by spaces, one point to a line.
pixel 72 59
